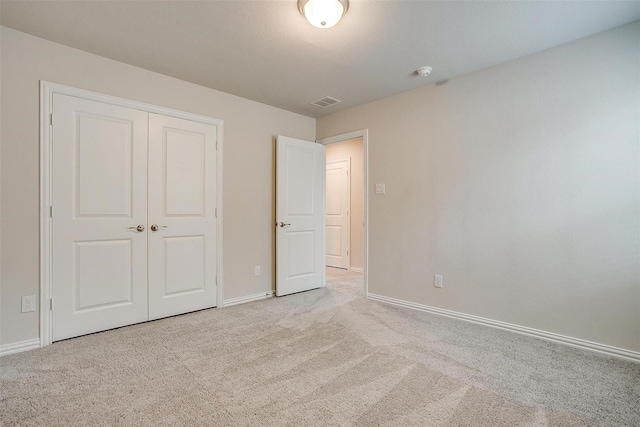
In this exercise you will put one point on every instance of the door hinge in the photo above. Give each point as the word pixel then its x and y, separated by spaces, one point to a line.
pixel 216 145
pixel 347 252
pixel 51 304
pixel 50 211
pixel 216 280
pixel 216 212
pixel 347 173
pixel 51 119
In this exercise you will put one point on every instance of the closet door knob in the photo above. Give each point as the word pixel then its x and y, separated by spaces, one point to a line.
pixel 156 227
pixel 139 228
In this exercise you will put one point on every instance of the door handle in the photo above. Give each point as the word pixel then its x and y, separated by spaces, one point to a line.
pixel 139 228
pixel 282 224
pixel 156 227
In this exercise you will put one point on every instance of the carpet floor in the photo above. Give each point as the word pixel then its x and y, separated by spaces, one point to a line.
pixel 326 357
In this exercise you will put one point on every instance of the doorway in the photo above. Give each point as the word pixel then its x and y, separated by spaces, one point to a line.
pixel 346 204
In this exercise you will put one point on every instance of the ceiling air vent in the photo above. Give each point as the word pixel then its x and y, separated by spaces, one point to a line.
pixel 325 102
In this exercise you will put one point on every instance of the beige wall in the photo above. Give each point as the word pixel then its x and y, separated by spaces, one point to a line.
pixel 249 129
pixel 520 185
pixel 352 149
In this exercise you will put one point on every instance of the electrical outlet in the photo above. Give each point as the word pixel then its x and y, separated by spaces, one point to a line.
pixel 257 271
pixel 380 189
pixel 437 281
pixel 28 303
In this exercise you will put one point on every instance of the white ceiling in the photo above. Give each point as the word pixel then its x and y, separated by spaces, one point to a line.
pixel 266 51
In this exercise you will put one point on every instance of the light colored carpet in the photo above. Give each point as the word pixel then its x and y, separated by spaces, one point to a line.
pixel 318 358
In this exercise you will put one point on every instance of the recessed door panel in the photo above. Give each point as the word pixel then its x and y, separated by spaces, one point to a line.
pixel 103 276
pixel 334 240
pixel 185 163
pixel 184 258
pixel 182 222
pixel 300 181
pixel 99 181
pixel 335 197
pixel 103 166
pixel 301 246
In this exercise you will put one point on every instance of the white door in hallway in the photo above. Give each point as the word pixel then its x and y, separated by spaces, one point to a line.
pixel 99 195
pixel 338 196
pixel 182 218
pixel 300 200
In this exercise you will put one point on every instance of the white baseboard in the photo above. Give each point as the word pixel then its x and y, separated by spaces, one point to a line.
pixel 356 269
pixel 18 347
pixel 241 300
pixel 549 336
pixel 35 343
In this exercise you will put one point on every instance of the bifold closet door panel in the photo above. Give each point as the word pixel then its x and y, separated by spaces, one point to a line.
pixel 99 199
pixel 181 216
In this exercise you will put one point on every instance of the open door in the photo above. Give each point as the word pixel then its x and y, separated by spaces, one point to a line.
pixel 300 215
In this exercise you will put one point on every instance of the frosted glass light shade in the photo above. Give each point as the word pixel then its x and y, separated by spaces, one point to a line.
pixel 323 13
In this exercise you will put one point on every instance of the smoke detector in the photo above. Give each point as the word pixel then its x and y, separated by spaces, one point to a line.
pixel 424 71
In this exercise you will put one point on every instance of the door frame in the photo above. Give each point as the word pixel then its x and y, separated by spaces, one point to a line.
pixel 47 89
pixel 348 160
pixel 364 134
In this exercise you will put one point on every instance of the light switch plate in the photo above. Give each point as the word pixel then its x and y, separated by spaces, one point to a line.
pixel 437 281
pixel 380 189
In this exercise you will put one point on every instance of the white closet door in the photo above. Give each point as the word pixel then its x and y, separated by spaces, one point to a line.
pixel 182 202
pixel 99 184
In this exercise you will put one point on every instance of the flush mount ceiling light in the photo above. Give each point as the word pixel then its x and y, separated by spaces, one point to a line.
pixel 323 13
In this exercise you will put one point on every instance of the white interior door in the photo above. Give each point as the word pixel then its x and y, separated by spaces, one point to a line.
pixel 99 197
pixel 338 197
pixel 300 179
pixel 182 221
pixel 134 216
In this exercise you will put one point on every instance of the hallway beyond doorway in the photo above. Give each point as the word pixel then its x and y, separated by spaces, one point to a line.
pixel 339 277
